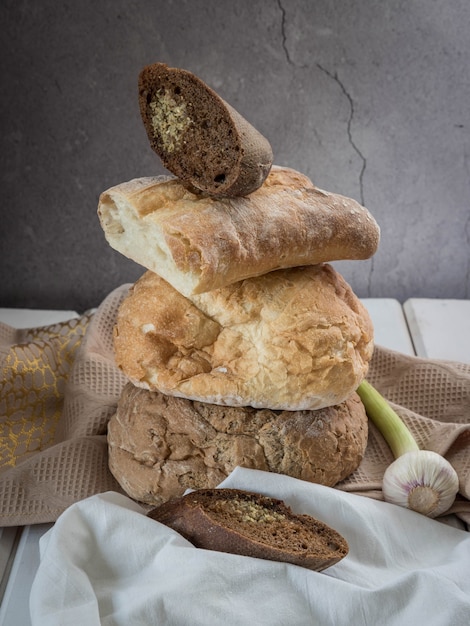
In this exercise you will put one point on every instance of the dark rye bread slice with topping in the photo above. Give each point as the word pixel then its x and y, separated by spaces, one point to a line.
pixel 250 524
pixel 198 136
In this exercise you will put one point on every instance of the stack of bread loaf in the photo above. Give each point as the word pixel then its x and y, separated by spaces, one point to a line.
pixel 242 345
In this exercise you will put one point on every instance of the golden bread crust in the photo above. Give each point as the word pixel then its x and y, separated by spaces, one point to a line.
pixel 293 339
pixel 198 243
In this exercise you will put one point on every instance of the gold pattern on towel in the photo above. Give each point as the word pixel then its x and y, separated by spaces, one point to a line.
pixel 34 366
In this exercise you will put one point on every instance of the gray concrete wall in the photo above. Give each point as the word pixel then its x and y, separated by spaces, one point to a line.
pixel 369 98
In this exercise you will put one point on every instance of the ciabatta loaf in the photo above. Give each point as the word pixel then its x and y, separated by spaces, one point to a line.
pixel 160 445
pixel 198 243
pixel 199 137
pixel 250 524
pixel 293 339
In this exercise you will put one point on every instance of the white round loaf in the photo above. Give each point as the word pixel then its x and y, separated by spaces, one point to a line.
pixel 292 339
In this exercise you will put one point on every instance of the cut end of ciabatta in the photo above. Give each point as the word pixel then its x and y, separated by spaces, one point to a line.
pixel 126 215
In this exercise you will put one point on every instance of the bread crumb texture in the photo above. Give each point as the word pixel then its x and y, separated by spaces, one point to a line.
pixel 169 120
pixel 251 524
pixel 198 136
pixel 269 521
pixel 293 339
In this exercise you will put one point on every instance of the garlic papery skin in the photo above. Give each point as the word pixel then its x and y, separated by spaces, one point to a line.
pixel 422 481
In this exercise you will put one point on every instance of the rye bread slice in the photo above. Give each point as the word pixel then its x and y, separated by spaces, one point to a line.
pixel 250 524
pixel 198 136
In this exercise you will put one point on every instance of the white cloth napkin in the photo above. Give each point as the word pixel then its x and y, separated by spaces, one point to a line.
pixel 104 562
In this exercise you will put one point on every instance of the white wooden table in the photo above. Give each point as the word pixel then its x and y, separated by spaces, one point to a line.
pixel 430 328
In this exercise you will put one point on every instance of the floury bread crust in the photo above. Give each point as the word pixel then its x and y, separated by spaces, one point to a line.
pixel 159 445
pixel 199 137
pixel 251 524
pixel 293 339
pixel 198 243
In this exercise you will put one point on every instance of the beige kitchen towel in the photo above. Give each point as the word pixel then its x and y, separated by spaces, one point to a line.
pixel 59 386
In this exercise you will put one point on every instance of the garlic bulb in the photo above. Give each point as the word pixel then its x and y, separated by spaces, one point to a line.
pixel 422 481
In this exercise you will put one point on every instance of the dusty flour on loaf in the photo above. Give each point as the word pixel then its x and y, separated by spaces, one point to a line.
pixel 293 339
pixel 160 445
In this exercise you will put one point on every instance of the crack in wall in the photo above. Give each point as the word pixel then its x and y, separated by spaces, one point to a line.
pixel 349 125
pixel 356 149
pixel 283 32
